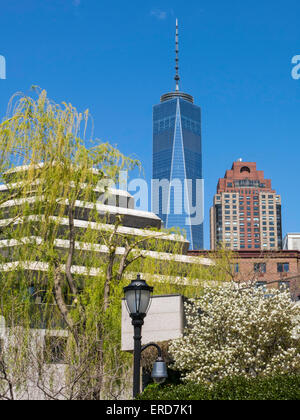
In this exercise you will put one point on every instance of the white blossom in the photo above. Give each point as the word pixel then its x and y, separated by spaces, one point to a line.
pixel 238 331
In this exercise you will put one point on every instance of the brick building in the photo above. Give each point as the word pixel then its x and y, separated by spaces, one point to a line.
pixel 246 212
pixel 268 269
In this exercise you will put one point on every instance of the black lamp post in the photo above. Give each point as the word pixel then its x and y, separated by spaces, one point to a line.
pixel 138 298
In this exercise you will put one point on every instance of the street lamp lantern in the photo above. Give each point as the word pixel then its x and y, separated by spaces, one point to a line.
pixel 159 372
pixel 138 298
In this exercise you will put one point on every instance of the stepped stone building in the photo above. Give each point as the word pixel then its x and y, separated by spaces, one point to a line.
pixel 135 224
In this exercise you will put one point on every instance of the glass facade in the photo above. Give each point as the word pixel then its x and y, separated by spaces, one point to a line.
pixel 177 159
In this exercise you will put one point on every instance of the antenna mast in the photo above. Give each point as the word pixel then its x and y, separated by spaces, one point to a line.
pixel 177 78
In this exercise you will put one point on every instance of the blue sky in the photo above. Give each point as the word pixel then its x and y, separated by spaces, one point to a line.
pixel 116 58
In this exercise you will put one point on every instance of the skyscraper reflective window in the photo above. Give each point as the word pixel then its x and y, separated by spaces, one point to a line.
pixel 177 156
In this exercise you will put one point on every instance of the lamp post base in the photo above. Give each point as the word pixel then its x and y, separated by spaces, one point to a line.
pixel 137 324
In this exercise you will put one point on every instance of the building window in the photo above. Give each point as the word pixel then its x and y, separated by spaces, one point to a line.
pixel 245 169
pixel 261 285
pixel 284 285
pixel 260 268
pixel 283 267
pixel 235 268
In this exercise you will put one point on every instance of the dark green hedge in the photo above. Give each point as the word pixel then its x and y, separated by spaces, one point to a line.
pixel 272 388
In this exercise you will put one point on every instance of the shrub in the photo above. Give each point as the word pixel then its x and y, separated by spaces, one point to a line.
pixel 238 331
pixel 281 387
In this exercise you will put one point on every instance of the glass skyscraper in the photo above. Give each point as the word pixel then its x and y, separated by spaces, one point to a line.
pixel 177 163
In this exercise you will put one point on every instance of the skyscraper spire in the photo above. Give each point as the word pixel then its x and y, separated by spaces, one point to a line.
pixel 177 78
pixel 176 93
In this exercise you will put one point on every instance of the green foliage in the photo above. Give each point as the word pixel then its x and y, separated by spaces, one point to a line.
pixel 53 270
pixel 270 388
pixel 61 180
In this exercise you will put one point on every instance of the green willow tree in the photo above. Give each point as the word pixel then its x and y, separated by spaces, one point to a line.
pixel 61 274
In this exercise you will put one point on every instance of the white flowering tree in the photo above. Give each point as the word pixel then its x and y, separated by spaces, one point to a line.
pixel 236 331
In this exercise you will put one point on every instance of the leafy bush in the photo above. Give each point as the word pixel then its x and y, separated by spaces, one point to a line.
pixel 238 331
pixel 283 387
